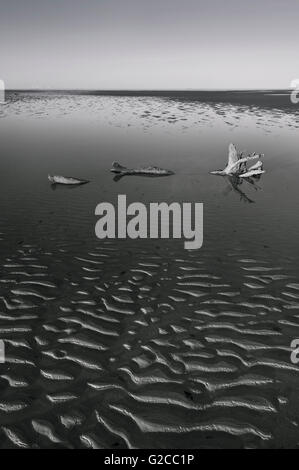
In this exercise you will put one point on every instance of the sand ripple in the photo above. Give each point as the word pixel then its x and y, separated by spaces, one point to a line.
pixel 121 364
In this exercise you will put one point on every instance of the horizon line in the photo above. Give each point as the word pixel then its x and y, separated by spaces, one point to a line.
pixel 151 89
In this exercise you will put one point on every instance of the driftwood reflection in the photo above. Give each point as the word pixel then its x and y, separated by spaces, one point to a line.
pixel 238 186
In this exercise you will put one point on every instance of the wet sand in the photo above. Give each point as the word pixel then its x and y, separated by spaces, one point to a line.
pixel 142 344
pixel 264 98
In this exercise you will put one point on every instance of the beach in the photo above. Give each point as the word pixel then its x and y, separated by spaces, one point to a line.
pixel 140 343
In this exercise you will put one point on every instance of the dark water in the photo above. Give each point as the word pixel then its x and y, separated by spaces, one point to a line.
pixel 144 344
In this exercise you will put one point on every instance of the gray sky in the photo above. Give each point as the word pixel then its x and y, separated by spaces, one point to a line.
pixel 149 44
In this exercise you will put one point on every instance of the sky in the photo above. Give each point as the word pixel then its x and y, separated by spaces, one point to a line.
pixel 149 44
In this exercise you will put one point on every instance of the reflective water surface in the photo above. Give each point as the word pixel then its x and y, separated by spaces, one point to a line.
pixel 137 344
